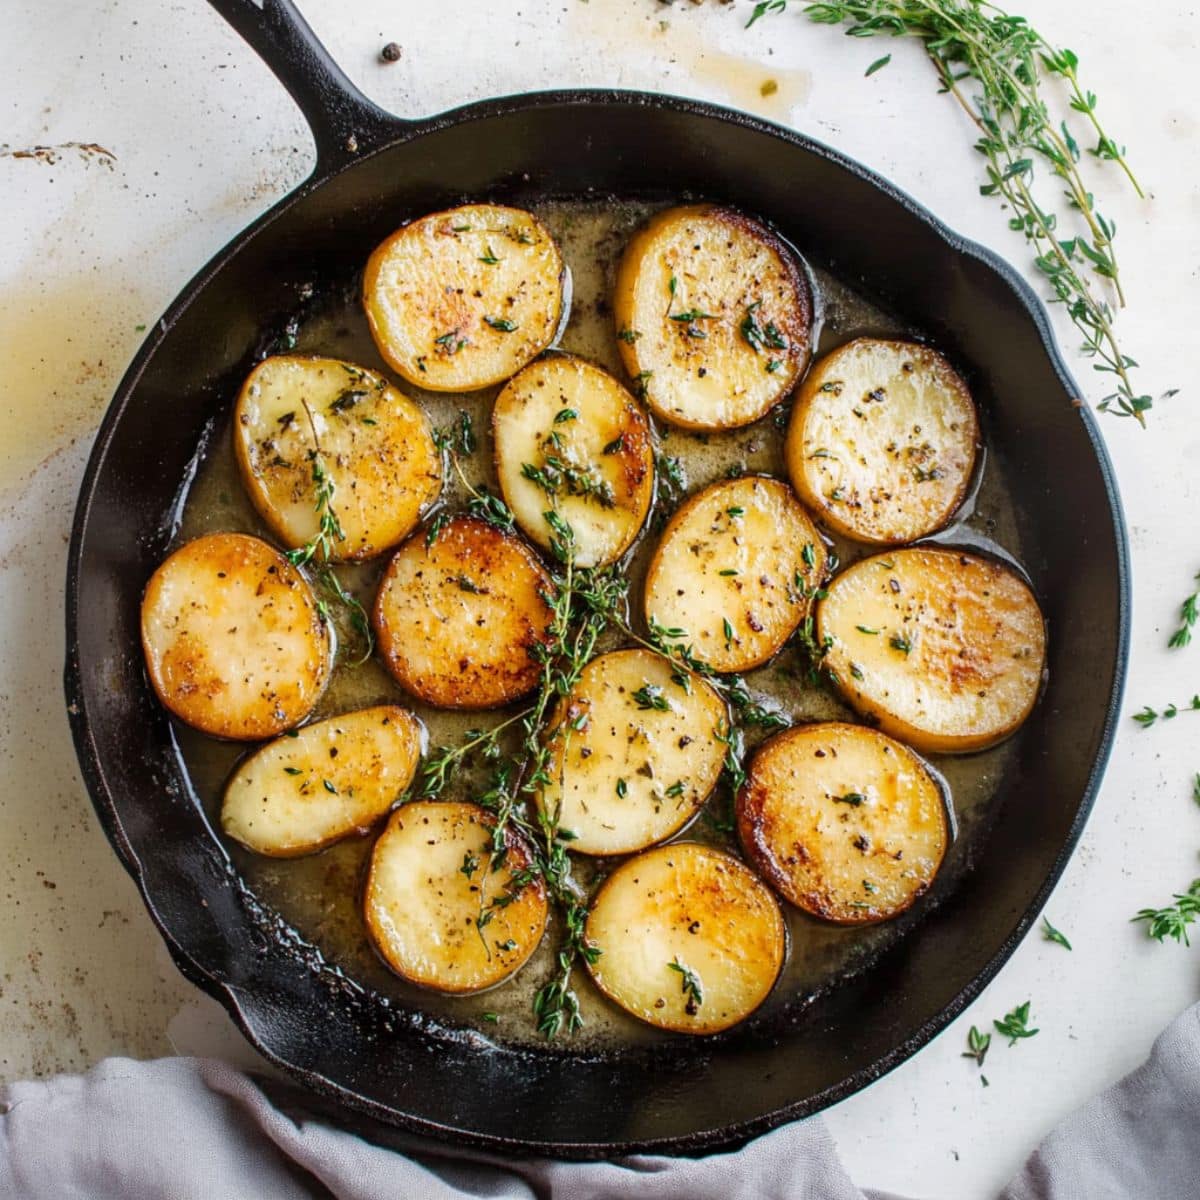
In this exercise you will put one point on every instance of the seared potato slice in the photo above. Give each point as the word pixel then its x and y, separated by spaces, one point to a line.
pixel 437 912
pixel 943 649
pixel 375 444
pixel 464 298
pixel 735 571
pixel 457 621
pixel 689 938
pixel 233 639
pixel 713 315
pixel 570 437
pixel 633 754
pixel 329 779
pixel 844 822
pixel 882 440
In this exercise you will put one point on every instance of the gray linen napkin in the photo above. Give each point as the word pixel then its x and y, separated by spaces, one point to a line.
pixel 185 1128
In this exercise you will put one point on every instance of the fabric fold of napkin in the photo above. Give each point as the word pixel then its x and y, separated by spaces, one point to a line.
pixel 182 1128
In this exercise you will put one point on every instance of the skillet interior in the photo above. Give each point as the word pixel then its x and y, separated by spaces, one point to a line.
pixel 345 1042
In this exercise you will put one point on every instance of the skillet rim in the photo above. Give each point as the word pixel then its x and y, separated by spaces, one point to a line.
pixel 92 768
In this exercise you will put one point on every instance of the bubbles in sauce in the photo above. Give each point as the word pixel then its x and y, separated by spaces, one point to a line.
pixel 319 895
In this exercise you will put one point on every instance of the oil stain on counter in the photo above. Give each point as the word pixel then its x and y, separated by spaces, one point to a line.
pixel 681 39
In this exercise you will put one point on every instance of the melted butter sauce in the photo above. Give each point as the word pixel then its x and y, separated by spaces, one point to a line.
pixel 319 896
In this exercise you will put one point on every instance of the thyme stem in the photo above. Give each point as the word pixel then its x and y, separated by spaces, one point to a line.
pixel 1010 61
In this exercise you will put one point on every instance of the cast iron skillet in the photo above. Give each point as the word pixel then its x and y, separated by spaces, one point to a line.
pixel 373 170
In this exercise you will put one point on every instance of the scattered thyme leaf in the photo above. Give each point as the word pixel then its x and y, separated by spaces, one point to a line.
pixel 978 1044
pixel 1015 1024
pixel 1054 935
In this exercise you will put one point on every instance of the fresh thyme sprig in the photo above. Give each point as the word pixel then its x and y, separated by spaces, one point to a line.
pixel 457 442
pixel 440 767
pixel 1173 921
pixel 1187 620
pixel 1009 62
pixel 1149 716
pixel 583 603
pixel 691 985
pixel 319 549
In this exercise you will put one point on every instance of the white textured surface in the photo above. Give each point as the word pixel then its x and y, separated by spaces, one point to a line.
pixel 205 140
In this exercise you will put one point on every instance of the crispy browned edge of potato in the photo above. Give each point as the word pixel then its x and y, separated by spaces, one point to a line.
pixel 517 857
pixel 521 681
pixel 798 334
pixel 371 273
pixel 793 457
pixel 820 547
pixel 785 938
pixel 748 813
pixel 410 722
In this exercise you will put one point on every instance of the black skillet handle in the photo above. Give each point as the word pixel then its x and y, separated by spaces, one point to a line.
pixel 343 121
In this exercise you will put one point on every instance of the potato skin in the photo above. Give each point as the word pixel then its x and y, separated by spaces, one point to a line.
pixel 882 441
pixel 976 638
pixel 457 622
pixel 234 643
pixel 526 431
pixel 699 907
pixel 421 905
pixel 376 447
pixel 328 780
pixel 719 371
pixel 616 759
pixel 842 821
pixel 440 312
pixel 754 526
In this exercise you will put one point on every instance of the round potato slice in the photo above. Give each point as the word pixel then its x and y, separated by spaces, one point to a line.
pixel 633 753
pixel 844 822
pixel 689 938
pixel 943 649
pixel 234 641
pixel 457 620
pixel 570 437
pixel 327 780
pixel 882 440
pixel 713 315
pixel 438 913
pixel 376 452
pixel 464 298
pixel 735 571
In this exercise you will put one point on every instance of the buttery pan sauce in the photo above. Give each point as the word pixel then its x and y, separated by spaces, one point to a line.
pixel 320 896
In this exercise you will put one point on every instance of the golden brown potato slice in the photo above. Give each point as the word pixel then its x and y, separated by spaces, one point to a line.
pixel 735 571
pixel 713 315
pixel 944 649
pixel 464 298
pixel 844 822
pixel 233 639
pixel 457 621
pixel 437 911
pixel 570 437
pixel 633 754
pixel 330 779
pixel 882 440
pixel 689 939
pixel 375 446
